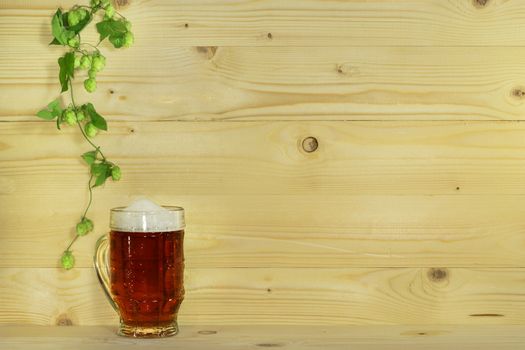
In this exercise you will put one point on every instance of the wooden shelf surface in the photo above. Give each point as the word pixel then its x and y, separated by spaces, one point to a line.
pixel 479 337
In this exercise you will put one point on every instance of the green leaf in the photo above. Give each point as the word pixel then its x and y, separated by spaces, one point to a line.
pixel 117 41
pixel 98 168
pixel 90 157
pixel 110 27
pixel 52 111
pixel 102 171
pixel 45 114
pixel 54 107
pixel 60 33
pixel 98 121
pixel 67 69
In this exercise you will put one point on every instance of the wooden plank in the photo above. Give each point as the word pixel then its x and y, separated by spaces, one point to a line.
pixel 289 337
pixel 276 83
pixel 373 194
pixel 302 23
pixel 309 296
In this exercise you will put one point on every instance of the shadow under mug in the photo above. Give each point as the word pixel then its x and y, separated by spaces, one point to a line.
pixel 140 266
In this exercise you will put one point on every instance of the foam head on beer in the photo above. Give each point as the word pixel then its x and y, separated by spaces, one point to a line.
pixel 144 215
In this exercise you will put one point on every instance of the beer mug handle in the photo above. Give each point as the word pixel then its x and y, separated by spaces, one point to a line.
pixel 101 264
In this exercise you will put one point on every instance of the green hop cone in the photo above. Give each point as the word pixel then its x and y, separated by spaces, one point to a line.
pixel 73 42
pixel 73 18
pixel 77 62
pixel 116 174
pixel 81 228
pixel 89 224
pixel 90 84
pixel 95 2
pixel 70 117
pixel 82 13
pixel 92 73
pixel 110 11
pixel 80 116
pixel 85 62
pixel 91 130
pixel 128 40
pixel 67 260
pixel 98 63
pixel 128 25
pixel 84 227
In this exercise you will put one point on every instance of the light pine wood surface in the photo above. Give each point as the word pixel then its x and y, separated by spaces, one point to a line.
pixel 279 83
pixel 303 23
pixel 410 211
pixel 260 337
pixel 286 296
pixel 373 194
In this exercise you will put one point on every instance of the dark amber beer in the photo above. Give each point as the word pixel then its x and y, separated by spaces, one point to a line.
pixel 146 270
pixel 142 268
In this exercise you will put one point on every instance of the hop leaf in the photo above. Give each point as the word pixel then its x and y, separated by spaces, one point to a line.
pixel 96 119
pixel 60 33
pixel 90 157
pixel 67 69
pixel 52 111
pixel 67 260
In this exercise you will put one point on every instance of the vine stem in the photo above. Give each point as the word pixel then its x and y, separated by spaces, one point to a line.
pixel 71 243
pixel 97 148
pixel 90 188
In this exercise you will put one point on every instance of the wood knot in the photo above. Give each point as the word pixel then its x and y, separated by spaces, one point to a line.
pixel 310 144
pixel 270 36
pixel 207 51
pixel 517 92
pixel 111 91
pixel 480 3
pixel 207 332
pixel 121 3
pixel 63 320
pixel 486 315
pixel 270 345
pixel 437 274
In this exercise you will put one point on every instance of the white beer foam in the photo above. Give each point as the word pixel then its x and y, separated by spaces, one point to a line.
pixel 144 215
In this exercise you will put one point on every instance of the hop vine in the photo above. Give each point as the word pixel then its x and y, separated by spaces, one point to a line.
pixel 85 59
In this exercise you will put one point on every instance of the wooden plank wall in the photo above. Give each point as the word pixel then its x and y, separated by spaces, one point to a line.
pixel 411 210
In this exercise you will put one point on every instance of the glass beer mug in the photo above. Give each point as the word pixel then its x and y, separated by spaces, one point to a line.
pixel 140 266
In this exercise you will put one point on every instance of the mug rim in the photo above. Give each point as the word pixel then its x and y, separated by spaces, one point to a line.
pixel 122 209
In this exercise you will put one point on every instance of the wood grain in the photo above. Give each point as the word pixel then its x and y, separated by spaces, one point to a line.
pixel 279 83
pixel 220 337
pixel 290 337
pixel 373 194
pixel 303 23
pixel 309 296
